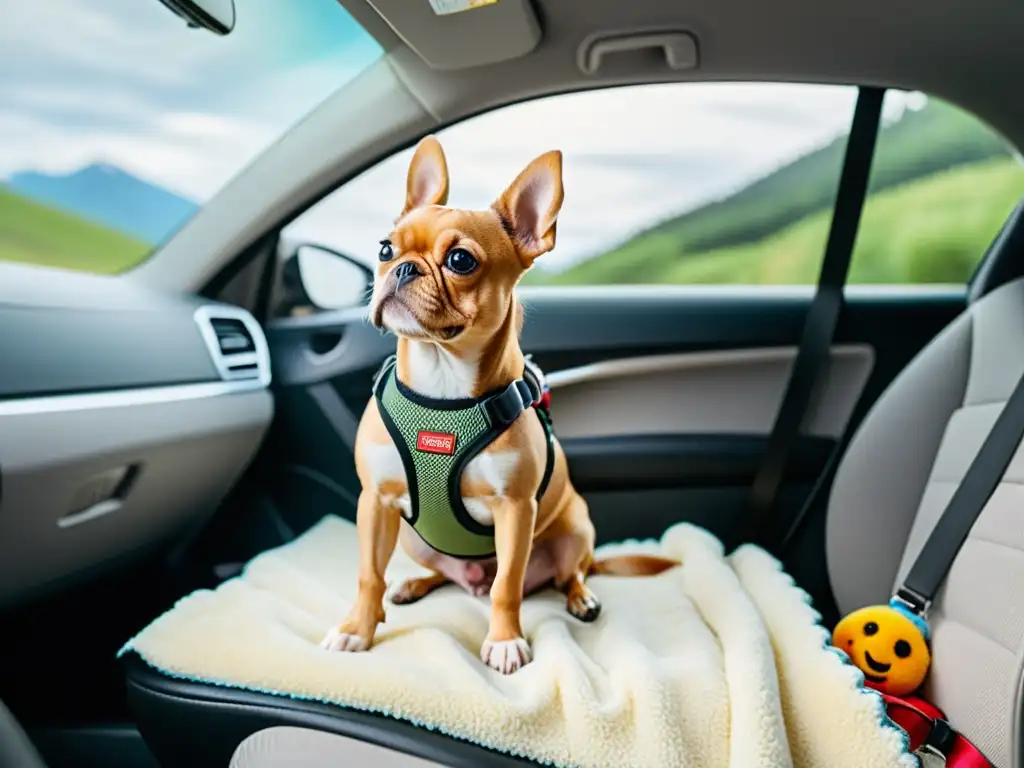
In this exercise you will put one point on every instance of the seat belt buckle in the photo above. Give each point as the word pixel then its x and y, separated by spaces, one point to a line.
pixel 939 741
pixel 912 601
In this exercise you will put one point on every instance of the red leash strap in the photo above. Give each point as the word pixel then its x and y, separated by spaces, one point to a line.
pixel 929 733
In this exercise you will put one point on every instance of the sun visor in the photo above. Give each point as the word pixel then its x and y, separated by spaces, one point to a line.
pixel 458 34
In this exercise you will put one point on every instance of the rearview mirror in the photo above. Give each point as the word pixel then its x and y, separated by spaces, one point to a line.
pixel 218 16
pixel 317 278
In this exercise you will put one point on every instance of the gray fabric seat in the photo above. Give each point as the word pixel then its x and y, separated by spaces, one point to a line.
pixel 16 750
pixel 899 472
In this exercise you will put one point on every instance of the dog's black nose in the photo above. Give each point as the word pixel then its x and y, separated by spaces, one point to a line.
pixel 406 272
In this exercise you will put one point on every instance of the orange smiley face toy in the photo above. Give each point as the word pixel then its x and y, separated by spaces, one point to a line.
pixel 889 644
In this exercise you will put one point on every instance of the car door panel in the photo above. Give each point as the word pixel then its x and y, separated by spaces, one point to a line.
pixel 124 422
pixel 717 392
pixel 662 399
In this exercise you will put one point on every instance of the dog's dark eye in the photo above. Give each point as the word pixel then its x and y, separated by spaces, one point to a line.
pixel 386 252
pixel 902 648
pixel 460 261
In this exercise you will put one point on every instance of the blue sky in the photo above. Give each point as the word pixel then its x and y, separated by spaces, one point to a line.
pixel 125 82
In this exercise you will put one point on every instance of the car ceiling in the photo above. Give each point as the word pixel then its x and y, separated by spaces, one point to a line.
pixel 966 53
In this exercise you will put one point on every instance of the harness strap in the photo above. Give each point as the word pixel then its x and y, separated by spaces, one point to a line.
pixel 438 438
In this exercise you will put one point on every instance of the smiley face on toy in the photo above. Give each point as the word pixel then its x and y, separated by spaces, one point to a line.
pixel 888 644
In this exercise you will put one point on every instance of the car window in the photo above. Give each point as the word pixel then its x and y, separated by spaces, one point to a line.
pixel 725 183
pixel 942 184
pixel 117 121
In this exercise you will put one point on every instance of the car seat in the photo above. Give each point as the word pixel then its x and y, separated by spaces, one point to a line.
pixel 897 474
pixel 895 480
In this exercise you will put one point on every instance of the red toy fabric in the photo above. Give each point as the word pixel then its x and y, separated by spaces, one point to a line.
pixel 924 722
pixel 545 401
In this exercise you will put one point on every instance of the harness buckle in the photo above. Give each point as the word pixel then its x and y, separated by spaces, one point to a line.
pixel 915 603
pixel 535 380
pixel 504 408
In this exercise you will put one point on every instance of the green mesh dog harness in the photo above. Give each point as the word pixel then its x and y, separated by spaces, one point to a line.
pixel 437 439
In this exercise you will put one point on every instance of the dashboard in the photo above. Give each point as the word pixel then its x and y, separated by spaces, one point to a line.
pixel 126 416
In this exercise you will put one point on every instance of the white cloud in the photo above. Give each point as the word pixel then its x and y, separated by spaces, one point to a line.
pixel 632 157
pixel 125 82
pixel 197 124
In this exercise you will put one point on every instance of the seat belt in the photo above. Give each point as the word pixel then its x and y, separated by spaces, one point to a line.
pixel 1010 236
pixel 940 550
pixel 823 315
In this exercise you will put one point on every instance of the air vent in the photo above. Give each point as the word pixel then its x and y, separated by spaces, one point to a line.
pixel 236 343
pixel 232 336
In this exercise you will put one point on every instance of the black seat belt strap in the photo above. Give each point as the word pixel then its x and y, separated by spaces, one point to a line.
pixel 823 315
pixel 983 476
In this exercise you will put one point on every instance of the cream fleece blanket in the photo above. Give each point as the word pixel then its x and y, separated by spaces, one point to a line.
pixel 718 663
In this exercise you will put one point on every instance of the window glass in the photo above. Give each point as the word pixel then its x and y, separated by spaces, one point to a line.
pixel 714 184
pixel 673 183
pixel 117 121
pixel 942 184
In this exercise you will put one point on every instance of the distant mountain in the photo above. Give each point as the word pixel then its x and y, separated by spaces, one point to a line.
pixel 936 138
pixel 105 194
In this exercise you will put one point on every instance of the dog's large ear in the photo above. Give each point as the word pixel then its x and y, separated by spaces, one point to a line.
pixel 427 183
pixel 529 207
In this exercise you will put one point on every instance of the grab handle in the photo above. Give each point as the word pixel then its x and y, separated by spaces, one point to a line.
pixel 680 48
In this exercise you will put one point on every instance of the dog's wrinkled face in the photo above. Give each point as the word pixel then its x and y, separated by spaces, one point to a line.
pixel 447 274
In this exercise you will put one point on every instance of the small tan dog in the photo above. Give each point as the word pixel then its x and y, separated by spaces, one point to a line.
pixel 452 454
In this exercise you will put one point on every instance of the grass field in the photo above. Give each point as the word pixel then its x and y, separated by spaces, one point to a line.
pixel 941 184
pixel 932 230
pixel 38 234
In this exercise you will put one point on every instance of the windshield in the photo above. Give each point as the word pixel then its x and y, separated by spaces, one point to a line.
pixel 117 121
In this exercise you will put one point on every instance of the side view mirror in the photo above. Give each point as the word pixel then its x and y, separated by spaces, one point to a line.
pixel 218 16
pixel 318 278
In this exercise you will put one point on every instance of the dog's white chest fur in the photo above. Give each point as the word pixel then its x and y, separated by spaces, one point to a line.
pixel 435 373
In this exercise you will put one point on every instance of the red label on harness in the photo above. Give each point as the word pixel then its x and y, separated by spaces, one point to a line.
pixel 435 442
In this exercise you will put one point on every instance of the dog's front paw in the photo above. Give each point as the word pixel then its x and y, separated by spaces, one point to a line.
pixel 336 640
pixel 506 656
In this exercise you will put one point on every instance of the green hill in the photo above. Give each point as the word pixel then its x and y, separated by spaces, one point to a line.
pixel 922 144
pixel 932 230
pixel 37 234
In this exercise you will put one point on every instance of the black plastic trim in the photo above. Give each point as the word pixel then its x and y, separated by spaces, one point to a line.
pixel 193 725
pixel 646 462
pixel 576 326
pixel 1003 260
